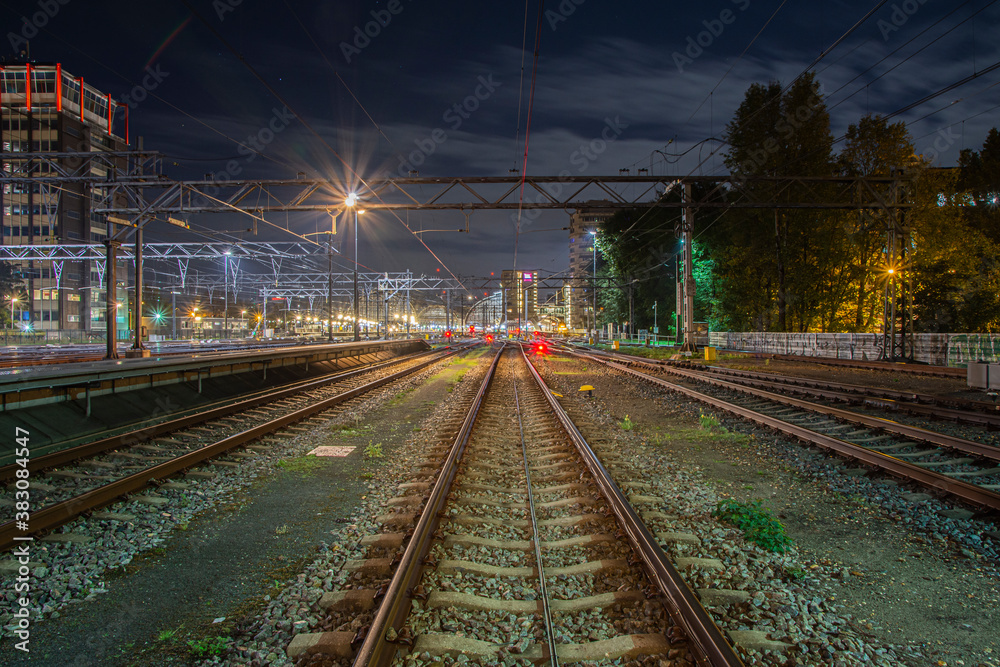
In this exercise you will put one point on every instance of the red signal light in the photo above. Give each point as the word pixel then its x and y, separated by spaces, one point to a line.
pixel 541 348
pixel 489 338
pixel 447 334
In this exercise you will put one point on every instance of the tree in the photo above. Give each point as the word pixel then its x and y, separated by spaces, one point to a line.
pixel 11 285
pixel 640 247
pixel 872 147
pixel 776 133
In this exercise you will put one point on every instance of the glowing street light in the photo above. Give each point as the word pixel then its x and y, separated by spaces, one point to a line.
pixel 352 203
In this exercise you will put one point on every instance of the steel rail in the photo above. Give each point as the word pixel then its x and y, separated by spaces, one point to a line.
pixel 858 389
pixel 914 369
pixel 376 649
pixel 709 644
pixel 535 538
pixel 939 439
pixel 888 366
pixel 846 396
pixel 58 514
pixel 969 493
pixel 72 454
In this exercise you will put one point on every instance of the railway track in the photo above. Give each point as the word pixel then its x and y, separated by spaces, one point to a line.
pixel 42 355
pixel 69 483
pixel 888 366
pixel 938 407
pixel 964 469
pixel 522 549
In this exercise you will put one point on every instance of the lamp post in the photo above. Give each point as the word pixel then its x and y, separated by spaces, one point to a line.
pixel 594 287
pixel 655 328
pixel 13 300
pixel 243 318
pixel 352 202
pixel 225 326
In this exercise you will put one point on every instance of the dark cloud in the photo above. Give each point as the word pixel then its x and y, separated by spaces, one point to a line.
pixel 420 76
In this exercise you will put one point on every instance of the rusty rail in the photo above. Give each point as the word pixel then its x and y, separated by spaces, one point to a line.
pixel 969 493
pixel 708 642
pixel 376 650
pixel 962 445
pixel 58 514
pixel 72 454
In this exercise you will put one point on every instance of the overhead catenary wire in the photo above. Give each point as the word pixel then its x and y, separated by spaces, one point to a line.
pixel 350 170
pixel 527 130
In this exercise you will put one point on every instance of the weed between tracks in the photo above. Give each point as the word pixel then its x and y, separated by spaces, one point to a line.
pixel 757 523
pixel 201 648
pixel 302 465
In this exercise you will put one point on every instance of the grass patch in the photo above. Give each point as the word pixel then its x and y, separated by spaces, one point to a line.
pixel 202 648
pixel 350 430
pixel 303 464
pixel 710 423
pixel 401 396
pixel 757 523
pixel 168 635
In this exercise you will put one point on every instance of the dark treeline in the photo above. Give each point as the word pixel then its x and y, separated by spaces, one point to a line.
pixel 786 269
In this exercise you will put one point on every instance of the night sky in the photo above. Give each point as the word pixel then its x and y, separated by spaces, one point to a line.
pixel 666 75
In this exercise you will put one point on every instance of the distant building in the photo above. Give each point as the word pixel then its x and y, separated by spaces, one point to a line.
pixel 520 296
pixel 581 263
pixel 45 109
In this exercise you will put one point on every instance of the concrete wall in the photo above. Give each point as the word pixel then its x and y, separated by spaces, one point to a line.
pixel 937 349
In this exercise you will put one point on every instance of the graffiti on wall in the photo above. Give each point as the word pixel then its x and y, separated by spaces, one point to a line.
pixel 963 348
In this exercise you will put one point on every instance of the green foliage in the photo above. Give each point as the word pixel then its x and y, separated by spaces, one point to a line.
pixel 710 422
pixel 202 648
pixel 757 523
pixel 302 465
pixel 374 451
pixel 167 635
pixel 627 424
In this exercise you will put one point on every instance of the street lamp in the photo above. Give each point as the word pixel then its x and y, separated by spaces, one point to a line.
pixel 655 328
pixel 13 300
pixel 243 318
pixel 594 287
pixel 352 203
pixel 226 289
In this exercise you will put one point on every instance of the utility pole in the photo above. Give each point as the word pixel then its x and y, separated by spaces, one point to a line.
pixel 111 300
pixel 687 236
pixel 137 348
pixel 225 267
pixel 654 323
pixel 329 288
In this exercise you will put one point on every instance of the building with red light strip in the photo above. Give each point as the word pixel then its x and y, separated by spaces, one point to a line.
pixel 45 109
pixel 520 296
